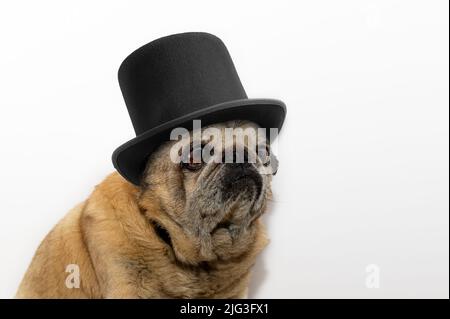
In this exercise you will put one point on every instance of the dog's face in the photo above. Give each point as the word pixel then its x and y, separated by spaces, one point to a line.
pixel 207 209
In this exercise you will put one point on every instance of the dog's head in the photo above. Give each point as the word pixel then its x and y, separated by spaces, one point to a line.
pixel 203 194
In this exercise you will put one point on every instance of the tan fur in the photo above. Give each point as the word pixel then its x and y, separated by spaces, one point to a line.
pixel 120 256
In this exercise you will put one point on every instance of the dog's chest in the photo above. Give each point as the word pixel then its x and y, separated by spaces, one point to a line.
pixel 175 281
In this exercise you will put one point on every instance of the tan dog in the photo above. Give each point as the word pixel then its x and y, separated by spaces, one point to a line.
pixel 190 231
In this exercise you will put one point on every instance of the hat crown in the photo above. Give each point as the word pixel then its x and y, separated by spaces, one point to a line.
pixel 177 75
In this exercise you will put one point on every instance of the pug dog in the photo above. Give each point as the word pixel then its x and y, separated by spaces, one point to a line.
pixel 190 230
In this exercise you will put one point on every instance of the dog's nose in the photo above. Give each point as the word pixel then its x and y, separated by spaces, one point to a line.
pixel 241 168
pixel 241 176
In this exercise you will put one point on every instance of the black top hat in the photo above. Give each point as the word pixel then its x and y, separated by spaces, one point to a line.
pixel 174 80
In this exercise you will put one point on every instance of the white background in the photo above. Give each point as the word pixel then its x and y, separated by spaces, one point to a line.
pixel 364 151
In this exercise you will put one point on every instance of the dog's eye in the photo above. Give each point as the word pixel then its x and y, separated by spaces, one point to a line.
pixel 194 160
pixel 268 159
pixel 265 155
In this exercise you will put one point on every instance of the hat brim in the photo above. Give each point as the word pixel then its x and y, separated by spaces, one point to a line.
pixel 130 158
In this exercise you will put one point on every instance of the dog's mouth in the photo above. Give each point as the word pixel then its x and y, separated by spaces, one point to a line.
pixel 162 233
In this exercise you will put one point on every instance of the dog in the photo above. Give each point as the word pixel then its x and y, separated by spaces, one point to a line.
pixel 190 230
